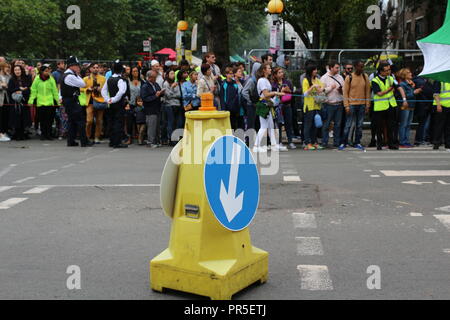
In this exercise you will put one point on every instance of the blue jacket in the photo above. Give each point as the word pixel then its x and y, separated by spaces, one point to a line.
pixel 190 94
pixel 409 92
pixel 229 97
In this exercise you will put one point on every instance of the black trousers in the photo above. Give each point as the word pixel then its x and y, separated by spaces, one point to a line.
pixel 441 126
pixel 76 121
pixel 117 118
pixel 390 117
pixel 46 116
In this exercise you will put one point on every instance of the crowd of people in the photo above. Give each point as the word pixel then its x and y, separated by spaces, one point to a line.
pixel 132 104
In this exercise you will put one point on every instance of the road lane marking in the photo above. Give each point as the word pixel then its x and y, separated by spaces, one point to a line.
pixel 309 246
pixel 443 183
pixel 444 219
pixel 93 185
pixel 291 179
pixel 415 173
pixel 24 179
pixel 11 203
pixel 303 220
pixel 315 278
pixel 446 209
pixel 37 190
pixel 48 172
pixel 374 175
pixel 5 188
pixel 68 165
pixel 415 214
pixel 446 250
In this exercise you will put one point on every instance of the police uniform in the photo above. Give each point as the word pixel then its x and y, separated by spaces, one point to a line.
pixel 70 90
pixel 441 120
pixel 114 92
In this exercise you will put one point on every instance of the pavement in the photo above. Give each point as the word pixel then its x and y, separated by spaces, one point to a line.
pixel 337 224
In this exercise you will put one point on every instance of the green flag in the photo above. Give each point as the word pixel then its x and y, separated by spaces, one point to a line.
pixel 436 52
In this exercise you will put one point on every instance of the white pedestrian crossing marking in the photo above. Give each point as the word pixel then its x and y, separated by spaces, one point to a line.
pixel 37 190
pixel 416 173
pixel 309 246
pixel 291 179
pixel 303 220
pixel 444 219
pixel 4 188
pixel 446 209
pixel 314 277
pixel 416 214
pixel 11 203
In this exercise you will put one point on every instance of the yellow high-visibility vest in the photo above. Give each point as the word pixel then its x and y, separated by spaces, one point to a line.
pixel 382 103
pixel 444 95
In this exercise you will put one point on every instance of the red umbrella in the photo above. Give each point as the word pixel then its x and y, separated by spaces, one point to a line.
pixel 171 53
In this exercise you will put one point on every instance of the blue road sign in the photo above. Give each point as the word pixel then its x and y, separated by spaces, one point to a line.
pixel 231 183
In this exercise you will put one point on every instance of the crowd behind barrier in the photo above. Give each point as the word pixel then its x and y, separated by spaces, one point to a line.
pixel 318 107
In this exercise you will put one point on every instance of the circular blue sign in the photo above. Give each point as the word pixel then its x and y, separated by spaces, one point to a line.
pixel 231 182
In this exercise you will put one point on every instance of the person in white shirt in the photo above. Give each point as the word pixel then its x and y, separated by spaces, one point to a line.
pixel 114 93
pixel 266 94
pixel 71 82
pixel 333 107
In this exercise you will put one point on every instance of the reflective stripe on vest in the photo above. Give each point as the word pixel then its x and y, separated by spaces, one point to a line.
pixel 382 103
pixel 444 95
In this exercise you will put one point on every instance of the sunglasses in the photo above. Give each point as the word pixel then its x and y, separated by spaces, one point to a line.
pixel 349 69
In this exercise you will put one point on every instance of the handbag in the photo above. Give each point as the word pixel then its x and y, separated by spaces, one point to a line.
pixel 318 121
pixel 320 98
pixel 262 109
pixel 100 105
pixel 286 98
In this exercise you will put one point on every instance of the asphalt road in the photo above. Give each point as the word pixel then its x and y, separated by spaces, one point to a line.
pixel 337 224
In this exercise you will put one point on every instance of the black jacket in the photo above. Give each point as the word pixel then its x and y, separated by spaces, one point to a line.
pixel 152 103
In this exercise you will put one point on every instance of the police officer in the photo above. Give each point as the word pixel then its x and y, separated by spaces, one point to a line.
pixel 114 93
pixel 441 115
pixel 71 82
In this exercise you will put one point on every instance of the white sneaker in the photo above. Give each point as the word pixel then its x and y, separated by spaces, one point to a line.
pixel 448 150
pixel 97 141
pixel 259 149
pixel 292 146
pixel 278 148
pixel 4 138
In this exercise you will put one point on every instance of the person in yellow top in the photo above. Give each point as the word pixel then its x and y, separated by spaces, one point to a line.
pixel 95 103
pixel 311 86
pixel 44 94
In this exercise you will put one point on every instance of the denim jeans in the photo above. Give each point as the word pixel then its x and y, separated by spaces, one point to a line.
pixel 310 130
pixel 357 113
pixel 287 113
pixel 404 129
pixel 168 122
pixel 334 113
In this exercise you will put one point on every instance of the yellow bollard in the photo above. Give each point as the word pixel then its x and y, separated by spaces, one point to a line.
pixel 204 257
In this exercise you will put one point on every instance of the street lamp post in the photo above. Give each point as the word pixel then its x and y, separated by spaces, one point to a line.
pixel 275 8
